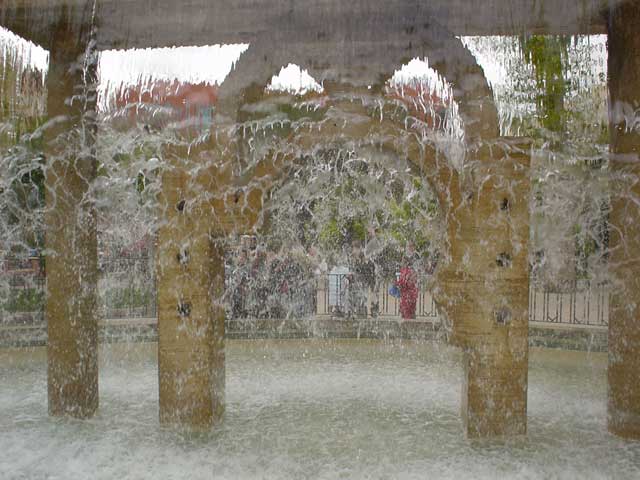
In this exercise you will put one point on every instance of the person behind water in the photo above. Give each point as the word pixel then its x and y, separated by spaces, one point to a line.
pixel 408 284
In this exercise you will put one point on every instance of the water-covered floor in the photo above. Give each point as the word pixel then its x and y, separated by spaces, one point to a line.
pixel 313 409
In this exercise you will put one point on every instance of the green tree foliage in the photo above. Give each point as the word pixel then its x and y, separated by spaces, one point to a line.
pixel 359 198
pixel 24 300
pixel 546 53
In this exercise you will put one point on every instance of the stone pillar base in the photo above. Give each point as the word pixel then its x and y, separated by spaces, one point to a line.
pixel 624 424
pixel 189 396
pixel 72 370
pixel 623 406
pixel 494 394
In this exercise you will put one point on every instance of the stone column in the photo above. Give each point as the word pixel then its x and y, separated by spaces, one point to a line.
pixel 71 246
pixel 484 290
pixel 624 316
pixel 190 281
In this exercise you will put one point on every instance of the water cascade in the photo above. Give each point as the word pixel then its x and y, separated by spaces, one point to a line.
pixel 310 242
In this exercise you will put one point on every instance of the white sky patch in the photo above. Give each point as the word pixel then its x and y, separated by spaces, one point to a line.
pixel 496 59
pixel 293 79
pixel 418 75
pixel 120 69
pixel 493 61
pixel 418 71
pixel 30 55
pixel 587 62
pixel 513 80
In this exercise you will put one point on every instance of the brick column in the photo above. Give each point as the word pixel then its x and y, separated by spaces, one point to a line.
pixel 71 255
pixel 624 315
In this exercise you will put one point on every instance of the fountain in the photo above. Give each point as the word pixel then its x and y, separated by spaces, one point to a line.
pixel 293 106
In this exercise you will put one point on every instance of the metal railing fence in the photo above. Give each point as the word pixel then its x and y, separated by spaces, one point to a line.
pixel 350 295
pixel 582 303
pixel 128 290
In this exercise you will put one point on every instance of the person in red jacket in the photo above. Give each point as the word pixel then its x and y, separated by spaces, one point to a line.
pixel 408 284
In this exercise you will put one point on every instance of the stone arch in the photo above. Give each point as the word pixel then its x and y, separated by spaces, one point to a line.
pixel 270 172
pixel 387 136
pixel 367 61
pixel 366 67
pixel 484 286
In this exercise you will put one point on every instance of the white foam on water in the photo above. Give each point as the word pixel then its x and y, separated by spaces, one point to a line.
pixel 314 409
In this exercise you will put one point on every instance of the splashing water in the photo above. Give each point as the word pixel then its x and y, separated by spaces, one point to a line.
pixel 294 179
